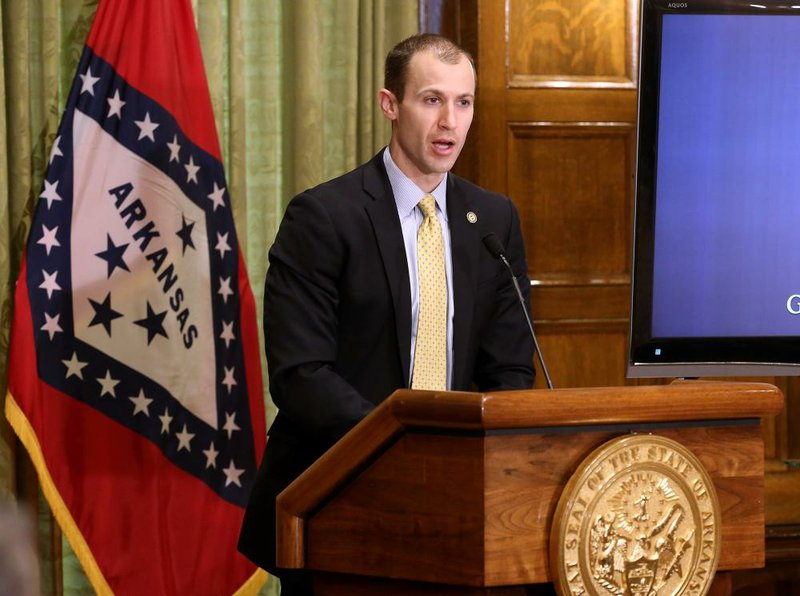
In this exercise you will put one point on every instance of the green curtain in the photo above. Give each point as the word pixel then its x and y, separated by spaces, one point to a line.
pixel 293 84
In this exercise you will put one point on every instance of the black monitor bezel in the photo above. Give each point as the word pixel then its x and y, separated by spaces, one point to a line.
pixel 684 356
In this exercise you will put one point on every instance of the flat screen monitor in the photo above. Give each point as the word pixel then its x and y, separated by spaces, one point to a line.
pixel 716 266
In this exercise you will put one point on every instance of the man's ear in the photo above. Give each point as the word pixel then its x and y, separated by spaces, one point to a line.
pixel 388 103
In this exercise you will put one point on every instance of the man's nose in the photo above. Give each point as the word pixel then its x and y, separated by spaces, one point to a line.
pixel 447 117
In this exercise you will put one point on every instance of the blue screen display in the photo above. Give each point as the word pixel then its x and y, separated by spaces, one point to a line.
pixel 727 219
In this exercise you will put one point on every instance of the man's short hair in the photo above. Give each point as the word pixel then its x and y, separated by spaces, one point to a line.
pixel 399 57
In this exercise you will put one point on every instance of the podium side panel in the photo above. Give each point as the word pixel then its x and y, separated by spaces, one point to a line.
pixel 415 513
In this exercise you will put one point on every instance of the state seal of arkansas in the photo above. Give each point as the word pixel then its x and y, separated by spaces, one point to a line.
pixel 639 516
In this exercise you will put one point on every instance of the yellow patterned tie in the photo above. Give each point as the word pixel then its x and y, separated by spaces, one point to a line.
pixel 430 354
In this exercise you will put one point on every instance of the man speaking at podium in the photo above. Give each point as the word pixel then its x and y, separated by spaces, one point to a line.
pixel 379 280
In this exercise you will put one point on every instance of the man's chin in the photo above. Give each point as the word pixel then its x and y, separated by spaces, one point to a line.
pixel 442 165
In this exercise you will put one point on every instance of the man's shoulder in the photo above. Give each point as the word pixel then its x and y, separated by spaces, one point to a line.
pixel 351 187
pixel 347 181
pixel 475 194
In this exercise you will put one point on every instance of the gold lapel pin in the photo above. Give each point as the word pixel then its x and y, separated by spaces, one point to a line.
pixel 471 217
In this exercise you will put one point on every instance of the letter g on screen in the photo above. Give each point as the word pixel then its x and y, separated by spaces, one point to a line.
pixel 793 304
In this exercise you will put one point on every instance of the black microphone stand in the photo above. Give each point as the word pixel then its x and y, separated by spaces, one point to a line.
pixel 495 248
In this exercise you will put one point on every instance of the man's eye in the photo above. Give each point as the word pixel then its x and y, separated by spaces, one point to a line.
pixel 432 100
pixel 465 103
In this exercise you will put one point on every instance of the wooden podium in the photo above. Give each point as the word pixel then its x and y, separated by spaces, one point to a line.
pixel 454 493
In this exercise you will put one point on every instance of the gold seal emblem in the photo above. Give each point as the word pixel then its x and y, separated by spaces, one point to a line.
pixel 639 516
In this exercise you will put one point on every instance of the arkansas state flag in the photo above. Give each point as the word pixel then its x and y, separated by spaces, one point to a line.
pixel 135 382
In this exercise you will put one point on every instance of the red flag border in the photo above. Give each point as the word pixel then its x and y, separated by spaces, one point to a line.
pixel 24 431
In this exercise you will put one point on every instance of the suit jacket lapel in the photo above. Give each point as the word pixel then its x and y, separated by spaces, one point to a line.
pixel 382 212
pixel 464 244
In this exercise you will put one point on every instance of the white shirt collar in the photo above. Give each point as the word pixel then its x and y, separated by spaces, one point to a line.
pixel 406 193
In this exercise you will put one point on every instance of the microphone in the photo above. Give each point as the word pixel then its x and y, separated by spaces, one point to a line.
pixel 496 249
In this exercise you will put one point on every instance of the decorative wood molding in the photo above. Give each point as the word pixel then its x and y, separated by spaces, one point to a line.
pixel 585 44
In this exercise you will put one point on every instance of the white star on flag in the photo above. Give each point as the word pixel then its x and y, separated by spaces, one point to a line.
pixel 141 403
pixel 230 424
pixel 217 196
pixel 50 193
pixel 51 325
pixel 115 105
pixel 174 149
pixel 191 170
pixel 227 329
pixel 166 419
pixel 211 456
pixel 184 438
pixel 146 127
pixel 48 239
pixel 55 150
pixel 88 82
pixel 108 384
pixel 74 366
pixel 225 288
pixel 232 474
pixel 229 381
pixel 222 244
pixel 49 283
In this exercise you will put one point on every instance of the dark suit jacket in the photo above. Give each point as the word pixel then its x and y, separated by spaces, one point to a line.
pixel 337 320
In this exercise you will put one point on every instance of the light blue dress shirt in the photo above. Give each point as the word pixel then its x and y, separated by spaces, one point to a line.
pixel 406 196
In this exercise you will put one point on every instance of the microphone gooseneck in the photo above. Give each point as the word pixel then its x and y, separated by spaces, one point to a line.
pixel 496 249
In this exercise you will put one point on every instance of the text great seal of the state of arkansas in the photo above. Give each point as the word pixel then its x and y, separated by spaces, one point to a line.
pixel 639 516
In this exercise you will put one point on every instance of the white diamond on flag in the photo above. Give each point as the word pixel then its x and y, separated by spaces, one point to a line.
pixel 123 197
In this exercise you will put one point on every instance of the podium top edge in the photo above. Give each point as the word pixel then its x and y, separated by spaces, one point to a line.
pixel 678 401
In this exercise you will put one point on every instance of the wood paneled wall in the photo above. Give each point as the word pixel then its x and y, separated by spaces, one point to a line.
pixel 555 129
